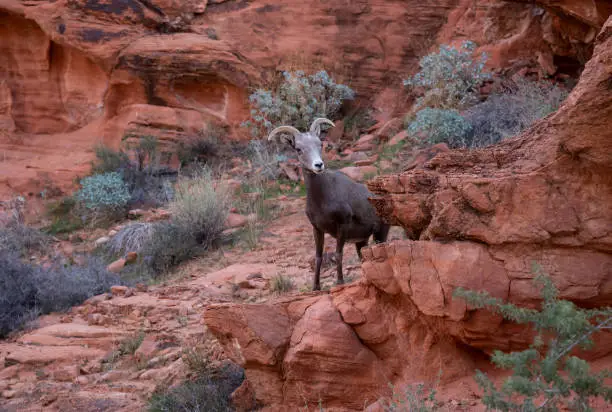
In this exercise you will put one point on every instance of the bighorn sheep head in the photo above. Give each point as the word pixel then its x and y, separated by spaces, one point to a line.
pixel 307 145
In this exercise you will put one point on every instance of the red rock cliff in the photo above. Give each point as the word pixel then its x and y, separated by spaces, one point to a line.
pixel 76 72
pixel 479 219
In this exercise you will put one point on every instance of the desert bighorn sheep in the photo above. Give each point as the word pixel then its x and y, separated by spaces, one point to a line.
pixel 335 204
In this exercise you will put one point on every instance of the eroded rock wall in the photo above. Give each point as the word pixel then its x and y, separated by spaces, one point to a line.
pixel 479 220
pixel 80 71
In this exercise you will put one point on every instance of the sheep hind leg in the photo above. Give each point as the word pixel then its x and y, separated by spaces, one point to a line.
pixel 359 246
pixel 339 252
pixel 380 236
pixel 319 242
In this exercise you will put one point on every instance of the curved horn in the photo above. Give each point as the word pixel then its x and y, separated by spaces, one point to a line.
pixel 315 127
pixel 283 129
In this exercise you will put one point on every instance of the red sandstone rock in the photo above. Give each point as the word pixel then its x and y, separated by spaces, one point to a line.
pixel 479 219
pixel 79 69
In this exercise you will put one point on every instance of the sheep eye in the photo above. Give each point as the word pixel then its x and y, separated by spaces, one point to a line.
pixel 299 151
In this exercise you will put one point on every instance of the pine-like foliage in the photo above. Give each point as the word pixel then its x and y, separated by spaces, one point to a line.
pixel 545 376
pixel 300 98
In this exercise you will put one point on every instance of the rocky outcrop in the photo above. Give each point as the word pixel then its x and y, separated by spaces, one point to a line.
pixel 79 72
pixel 478 220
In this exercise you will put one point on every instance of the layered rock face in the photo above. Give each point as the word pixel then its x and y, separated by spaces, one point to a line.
pixel 78 72
pixel 478 220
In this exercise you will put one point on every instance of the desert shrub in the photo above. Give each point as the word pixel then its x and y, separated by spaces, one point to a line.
pixel 266 157
pixel 65 216
pixel 148 182
pixel 22 240
pixel 511 111
pixel 104 194
pixel 412 398
pixel 199 211
pixel 131 238
pixel 299 99
pixel 450 77
pixel 208 392
pixel 201 206
pixel 440 126
pixel 281 284
pixel 27 291
pixel 63 286
pixel 109 160
pixel 203 147
pixel 546 370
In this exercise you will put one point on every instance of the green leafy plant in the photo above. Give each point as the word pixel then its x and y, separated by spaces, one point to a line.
pixel 546 375
pixel 450 77
pixel 299 99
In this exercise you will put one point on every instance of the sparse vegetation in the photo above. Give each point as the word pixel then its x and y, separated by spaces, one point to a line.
pixel 512 110
pixel 131 238
pixel 202 148
pixel 21 240
pixel 130 345
pixel 65 216
pixel 147 181
pixel 298 100
pixel 199 212
pixel 412 398
pixel 440 126
pixel 209 391
pixel 281 284
pixel 28 290
pixel 449 110
pixel 450 77
pixel 265 158
pixel 104 195
pixel 546 376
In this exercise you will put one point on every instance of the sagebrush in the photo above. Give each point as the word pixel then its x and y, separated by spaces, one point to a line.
pixel 450 77
pixel 299 99
pixel 433 126
pixel 104 195
pixel 546 376
pixel 199 212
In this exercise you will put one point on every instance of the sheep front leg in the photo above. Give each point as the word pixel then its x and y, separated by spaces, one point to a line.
pixel 339 251
pixel 319 241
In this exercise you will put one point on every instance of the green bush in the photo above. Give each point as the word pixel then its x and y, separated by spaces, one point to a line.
pixel 440 126
pixel 300 98
pixel 450 77
pixel 104 194
pixel 545 376
pixel 509 112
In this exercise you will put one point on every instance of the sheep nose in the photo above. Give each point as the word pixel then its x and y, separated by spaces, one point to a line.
pixel 318 165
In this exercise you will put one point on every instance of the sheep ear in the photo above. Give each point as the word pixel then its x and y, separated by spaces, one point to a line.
pixel 288 139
